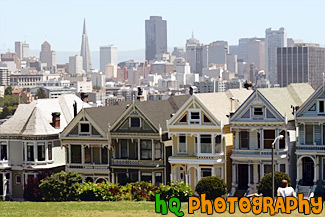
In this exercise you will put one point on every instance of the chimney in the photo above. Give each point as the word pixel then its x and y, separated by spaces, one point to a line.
pixel 56 120
pixel 75 110
pixel 232 105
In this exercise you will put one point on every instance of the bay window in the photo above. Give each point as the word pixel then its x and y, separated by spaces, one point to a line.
pixel 269 136
pixel 146 149
pixel 206 144
pixel 30 151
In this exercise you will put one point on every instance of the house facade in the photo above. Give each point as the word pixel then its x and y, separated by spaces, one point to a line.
pixel 30 144
pixel 310 148
pixel 201 136
pixel 133 136
pixel 266 114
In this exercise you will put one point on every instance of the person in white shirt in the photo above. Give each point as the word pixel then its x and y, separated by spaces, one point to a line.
pixel 285 191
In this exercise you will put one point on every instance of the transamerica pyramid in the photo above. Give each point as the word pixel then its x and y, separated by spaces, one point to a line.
pixel 85 50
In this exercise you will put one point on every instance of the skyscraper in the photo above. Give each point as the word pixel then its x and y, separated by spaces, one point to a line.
pixel 273 40
pixel 21 49
pixel 48 56
pixel 156 37
pixel 256 53
pixel 85 53
pixel 75 64
pixel 108 55
pixel 301 63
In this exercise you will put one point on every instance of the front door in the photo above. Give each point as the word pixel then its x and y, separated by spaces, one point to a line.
pixel 308 171
pixel 242 176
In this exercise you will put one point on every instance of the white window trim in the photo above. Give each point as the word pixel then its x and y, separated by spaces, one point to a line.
pixel 79 128
pixel 194 120
pixel 258 116
pixel 212 143
pixel 178 144
pixel 35 146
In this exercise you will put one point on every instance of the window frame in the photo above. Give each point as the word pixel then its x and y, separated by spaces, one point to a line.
pixel 43 146
pixel 194 121
pixel 130 122
pixel 178 144
pixel 258 115
pixel 207 136
pixel 79 128
pixel 240 139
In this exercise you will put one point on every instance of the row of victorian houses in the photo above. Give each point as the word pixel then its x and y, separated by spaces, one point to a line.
pixel 184 138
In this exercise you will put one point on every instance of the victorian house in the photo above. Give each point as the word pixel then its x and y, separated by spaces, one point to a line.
pixel 29 142
pixel 266 114
pixel 123 143
pixel 310 148
pixel 202 140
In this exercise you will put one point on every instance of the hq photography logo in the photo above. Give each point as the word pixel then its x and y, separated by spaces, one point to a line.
pixel 257 205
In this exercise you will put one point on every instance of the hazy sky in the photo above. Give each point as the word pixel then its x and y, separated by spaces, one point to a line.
pixel 121 22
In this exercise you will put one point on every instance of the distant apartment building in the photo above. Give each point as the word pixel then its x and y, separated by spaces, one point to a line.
pixel 107 55
pixel 11 60
pixel 25 80
pixel 273 40
pixel 4 76
pixel 75 64
pixel 156 37
pixel 218 52
pixel 301 64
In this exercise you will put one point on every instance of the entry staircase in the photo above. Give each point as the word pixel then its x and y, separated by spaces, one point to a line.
pixel 307 191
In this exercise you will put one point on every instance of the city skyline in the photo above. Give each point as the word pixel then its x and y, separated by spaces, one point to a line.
pixel 104 28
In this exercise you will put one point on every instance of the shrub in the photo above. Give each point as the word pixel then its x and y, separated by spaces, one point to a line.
pixel 32 191
pixel 175 189
pixel 139 191
pixel 99 192
pixel 61 186
pixel 265 186
pixel 212 186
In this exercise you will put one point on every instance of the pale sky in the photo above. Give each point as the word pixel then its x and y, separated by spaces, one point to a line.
pixel 122 22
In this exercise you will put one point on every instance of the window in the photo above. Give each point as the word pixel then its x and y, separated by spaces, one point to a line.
pixel 269 136
pixel 267 169
pixel 146 149
pixel 124 148
pixel 195 115
pixel 49 148
pixel 206 119
pixel 30 151
pixel 75 153
pixel 84 128
pixel 206 146
pixel 135 122
pixel 258 140
pixel 282 142
pixel 17 179
pixel 195 145
pixel 3 154
pixel 258 111
pixel 87 155
pixel 147 177
pixel 321 106
pixel 184 119
pixel 218 144
pixel 158 179
pixel 243 139
pixel 182 144
pixel 41 151
pixel 309 134
pixel 206 172
pixel 158 151
pixel 104 155
pixel 282 168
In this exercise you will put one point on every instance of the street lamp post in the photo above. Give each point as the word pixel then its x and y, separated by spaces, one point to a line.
pixel 273 144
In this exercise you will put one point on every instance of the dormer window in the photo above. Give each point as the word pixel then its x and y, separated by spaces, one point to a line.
pixel 84 128
pixel 321 106
pixel 195 117
pixel 258 111
pixel 135 122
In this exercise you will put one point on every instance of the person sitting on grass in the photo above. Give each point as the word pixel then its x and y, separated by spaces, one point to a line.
pixel 285 191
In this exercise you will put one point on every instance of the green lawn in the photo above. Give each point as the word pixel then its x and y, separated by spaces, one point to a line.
pixel 110 209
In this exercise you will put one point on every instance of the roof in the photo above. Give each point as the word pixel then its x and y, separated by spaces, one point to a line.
pixel 36 118
pixel 157 111
pixel 282 98
pixel 219 104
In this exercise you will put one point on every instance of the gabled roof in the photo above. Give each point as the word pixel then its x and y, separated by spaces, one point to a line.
pixel 157 111
pixel 36 118
pixel 317 93
pixel 283 98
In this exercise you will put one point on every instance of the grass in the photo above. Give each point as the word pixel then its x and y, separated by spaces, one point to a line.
pixel 110 209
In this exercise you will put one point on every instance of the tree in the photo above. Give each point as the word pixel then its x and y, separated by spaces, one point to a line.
pixel 62 186
pixel 212 186
pixel 8 90
pixel 265 186
pixel 32 191
pixel 41 94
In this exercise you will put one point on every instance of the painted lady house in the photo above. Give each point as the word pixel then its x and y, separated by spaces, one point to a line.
pixel 266 114
pixel 123 143
pixel 310 148
pixel 201 136
pixel 29 142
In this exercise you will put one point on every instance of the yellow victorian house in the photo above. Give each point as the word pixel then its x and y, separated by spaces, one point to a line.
pixel 201 136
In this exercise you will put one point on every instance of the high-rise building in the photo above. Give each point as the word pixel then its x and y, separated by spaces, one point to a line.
pixel 108 55
pixel 21 49
pixel 232 64
pixel 301 63
pixel 85 53
pixel 196 55
pixel 48 56
pixel 218 52
pixel 156 37
pixel 273 40
pixel 75 64
pixel 256 53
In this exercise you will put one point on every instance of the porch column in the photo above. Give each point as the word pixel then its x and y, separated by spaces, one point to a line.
pixel 255 174
pixel 153 181
pixel 139 156
pixel 82 154
pixel 186 179
pixel 198 174
pixel 139 175
pixel 69 155
pixel 233 174
pixel 213 144
pixel 152 150
pixel 299 171
pixel 249 174
pixel 261 140
pixel 198 144
pixel 262 170
pixel 316 170
pixel 277 141
pixel 113 178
